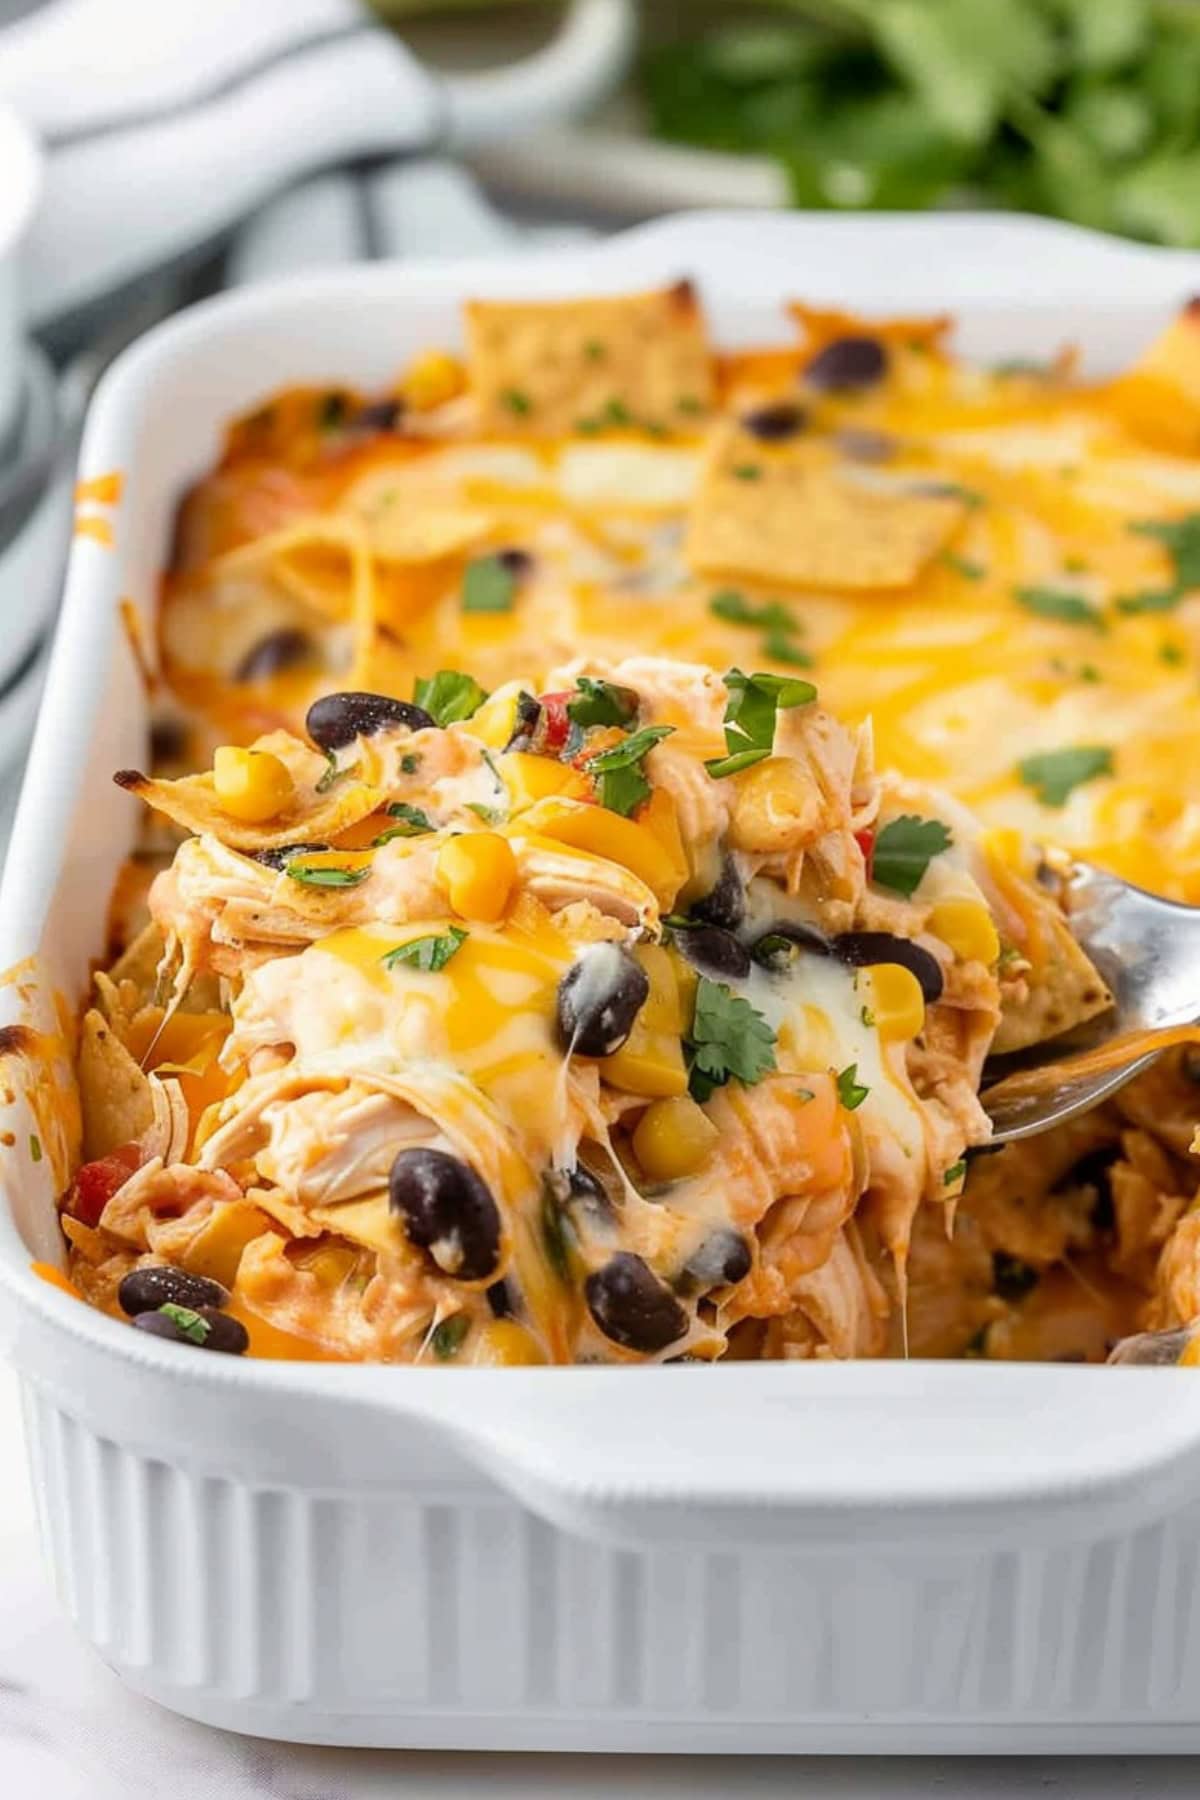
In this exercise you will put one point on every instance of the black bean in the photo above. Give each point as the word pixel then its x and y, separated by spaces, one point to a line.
pixel 447 1209
pixel 632 1306
pixel 225 1334
pixel 713 951
pixel 599 998
pixel 525 723
pixel 518 562
pixel 847 362
pixel 282 649
pixel 1012 1278
pixel 862 948
pixel 279 856
pixel 725 904
pixel 500 1300
pixel 588 1196
pixel 774 423
pixel 378 415
pixel 780 945
pixel 1094 1170
pixel 723 1257
pixel 337 719
pixel 144 1290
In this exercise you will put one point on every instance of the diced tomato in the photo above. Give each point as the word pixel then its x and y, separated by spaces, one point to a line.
pixel 555 722
pixel 866 843
pixel 96 1182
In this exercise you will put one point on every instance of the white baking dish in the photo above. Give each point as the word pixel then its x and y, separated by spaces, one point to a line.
pixel 774 1557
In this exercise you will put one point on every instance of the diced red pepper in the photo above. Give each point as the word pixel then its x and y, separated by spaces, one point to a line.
pixel 866 843
pixel 554 726
pixel 96 1182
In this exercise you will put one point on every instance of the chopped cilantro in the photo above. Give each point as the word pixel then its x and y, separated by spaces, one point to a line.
pixel 412 823
pixel 904 849
pixel 954 1174
pixel 688 403
pixel 517 402
pixel 333 774
pixel 620 783
pixel 589 427
pixel 594 350
pixel 449 696
pixel 430 953
pixel 410 764
pixel 488 586
pixel 446 1339
pixel 866 1016
pixel 1149 600
pixel 1171 654
pixel 729 1037
pixel 953 490
pixel 1055 774
pixel 1057 603
pixel 192 1324
pixel 35 1147
pixel 491 815
pixel 782 649
pixel 327 877
pixel 1089 672
pixel 601 703
pixel 557 1234
pixel 735 609
pixel 750 712
pixel 1180 538
pixel 617 413
pixel 962 565
pixel 850 1091
pixel 747 471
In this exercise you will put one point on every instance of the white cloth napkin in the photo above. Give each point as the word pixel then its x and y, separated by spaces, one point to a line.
pixel 166 121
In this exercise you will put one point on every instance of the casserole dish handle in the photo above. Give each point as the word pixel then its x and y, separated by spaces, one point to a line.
pixel 952 1455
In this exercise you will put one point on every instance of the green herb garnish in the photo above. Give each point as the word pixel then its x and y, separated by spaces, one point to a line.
pixel 617 413
pixel 1057 603
pixel 620 783
pixel 729 1037
pixel 446 1339
pixel 750 713
pixel 35 1147
pixel 1055 774
pixel 192 1324
pixel 449 696
pixel 412 823
pixel 327 877
pixel 594 350
pixel 1149 600
pixel 601 703
pixel 904 849
pixel 516 401
pixel 954 1174
pixel 331 412
pixel 489 586
pixel 333 773
pixel 430 953
pixel 1172 654
pixel 747 471
pixel 777 622
pixel 1180 538
pixel 410 764
pixel 491 815
pixel 962 565
pixel 851 1093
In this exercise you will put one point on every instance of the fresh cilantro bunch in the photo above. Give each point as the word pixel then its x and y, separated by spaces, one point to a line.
pixel 1086 109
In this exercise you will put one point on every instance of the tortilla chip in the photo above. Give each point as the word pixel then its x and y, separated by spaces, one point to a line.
pixel 800 514
pixel 1158 398
pixel 556 367
pixel 115 1095
pixel 310 817
pixel 1064 990
pixel 368 1222
pixel 138 962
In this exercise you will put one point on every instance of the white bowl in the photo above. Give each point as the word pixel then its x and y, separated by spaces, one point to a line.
pixel 20 186
pixel 749 1557
pixel 33 558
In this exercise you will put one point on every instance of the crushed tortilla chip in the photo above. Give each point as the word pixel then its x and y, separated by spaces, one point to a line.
pixel 799 514
pixel 309 817
pixel 555 368
pixel 115 1095
pixel 1063 990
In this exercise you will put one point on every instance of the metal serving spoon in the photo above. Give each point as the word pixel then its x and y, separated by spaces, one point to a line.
pixel 1148 952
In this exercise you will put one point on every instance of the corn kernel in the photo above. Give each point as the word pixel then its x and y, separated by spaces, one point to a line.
pixel 966 926
pixel 673 1138
pixel 431 379
pixel 530 778
pixel 897 1003
pixel 477 871
pixel 504 1344
pixel 775 805
pixel 649 1063
pixel 252 785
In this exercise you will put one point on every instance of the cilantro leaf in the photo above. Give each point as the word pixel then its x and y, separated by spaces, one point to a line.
pixel 729 1037
pixel 489 586
pixel 750 712
pixel 333 774
pixel 449 696
pixel 1180 538
pixel 1055 774
pixel 446 1338
pixel 851 1093
pixel 1058 603
pixel 735 609
pixel 962 565
pixel 601 703
pixel 954 1174
pixel 777 645
pixel 1149 600
pixel 429 953
pixel 904 849
pixel 327 877
pixel 621 785
pixel 413 823
pixel 192 1324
